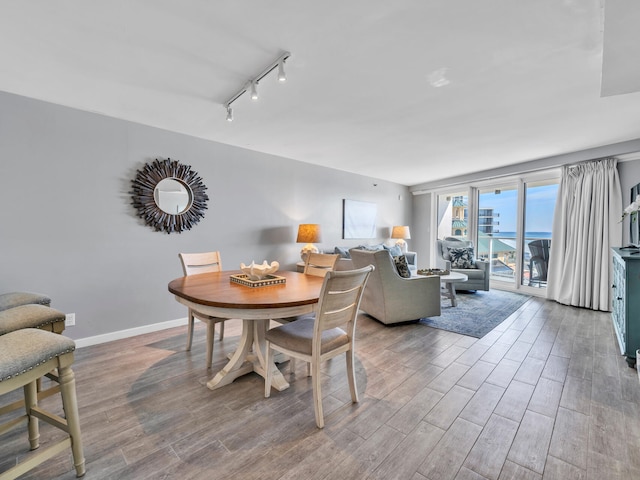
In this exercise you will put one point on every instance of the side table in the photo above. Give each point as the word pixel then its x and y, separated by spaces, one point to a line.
pixel 448 282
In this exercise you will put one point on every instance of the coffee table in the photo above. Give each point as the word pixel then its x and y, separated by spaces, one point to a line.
pixel 448 282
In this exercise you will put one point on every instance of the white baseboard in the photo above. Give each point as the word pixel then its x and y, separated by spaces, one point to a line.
pixel 130 332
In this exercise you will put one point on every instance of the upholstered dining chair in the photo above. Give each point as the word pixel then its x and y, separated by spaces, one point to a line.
pixel 193 264
pixel 316 264
pixel 329 333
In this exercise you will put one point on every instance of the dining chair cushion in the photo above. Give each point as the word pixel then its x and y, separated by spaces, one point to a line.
pixel 297 336
pixel 25 349
pixel 28 316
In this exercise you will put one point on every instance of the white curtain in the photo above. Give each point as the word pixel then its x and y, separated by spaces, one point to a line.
pixel 585 227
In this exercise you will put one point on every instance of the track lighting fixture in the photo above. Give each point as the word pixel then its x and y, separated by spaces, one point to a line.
pixel 252 85
pixel 282 77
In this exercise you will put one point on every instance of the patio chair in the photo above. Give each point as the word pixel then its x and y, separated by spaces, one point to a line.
pixel 539 261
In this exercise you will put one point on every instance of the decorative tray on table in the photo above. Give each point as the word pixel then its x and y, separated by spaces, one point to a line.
pixel 433 271
pixel 243 279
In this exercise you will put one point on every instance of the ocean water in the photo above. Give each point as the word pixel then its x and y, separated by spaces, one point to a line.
pixel 527 235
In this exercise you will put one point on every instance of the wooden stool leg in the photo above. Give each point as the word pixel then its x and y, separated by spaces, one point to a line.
pixel 70 405
pixel 30 401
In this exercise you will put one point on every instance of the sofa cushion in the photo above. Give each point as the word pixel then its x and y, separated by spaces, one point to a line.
pixel 461 257
pixel 372 248
pixel 395 250
pixel 471 273
pixel 402 267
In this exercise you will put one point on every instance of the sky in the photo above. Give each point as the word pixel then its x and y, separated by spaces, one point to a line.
pixel 539 207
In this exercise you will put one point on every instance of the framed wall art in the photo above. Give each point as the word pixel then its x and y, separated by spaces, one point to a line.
pixel 358 219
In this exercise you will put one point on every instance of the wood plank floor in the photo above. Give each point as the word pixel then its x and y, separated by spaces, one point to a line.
pixel 545 395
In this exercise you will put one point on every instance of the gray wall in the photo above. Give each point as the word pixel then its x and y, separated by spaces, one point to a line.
pixel 68 229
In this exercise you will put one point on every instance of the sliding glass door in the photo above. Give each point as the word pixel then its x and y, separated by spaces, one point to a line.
pixel 514 231
pixel 539 204
pixel 510 223
pixel 497 230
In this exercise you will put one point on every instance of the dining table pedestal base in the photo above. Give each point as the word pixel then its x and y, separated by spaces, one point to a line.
pixel 249 357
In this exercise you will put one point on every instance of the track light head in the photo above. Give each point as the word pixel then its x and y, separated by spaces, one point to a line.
pixel 254 90
pixel 229 114
pixel 282 77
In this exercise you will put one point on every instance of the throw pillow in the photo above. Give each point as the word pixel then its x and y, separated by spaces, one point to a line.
pixel 461 257
pixel 402 267
pixel 394 250
pixel 374 248
pixel 343 252
pixel 447 244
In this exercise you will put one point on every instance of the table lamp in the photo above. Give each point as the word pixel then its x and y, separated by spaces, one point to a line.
pixel 308 233
pixel 401 233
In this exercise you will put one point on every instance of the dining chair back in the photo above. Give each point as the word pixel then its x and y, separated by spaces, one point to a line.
pixel 193 264
pixel 316 264
pixel 319 264
pixel 329 333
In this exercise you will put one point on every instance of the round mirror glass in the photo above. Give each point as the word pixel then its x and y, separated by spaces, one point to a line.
pixel 172 196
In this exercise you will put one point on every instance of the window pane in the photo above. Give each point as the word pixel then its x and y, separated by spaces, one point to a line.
pixel 540 200
pixel 497 227
pixel 453 215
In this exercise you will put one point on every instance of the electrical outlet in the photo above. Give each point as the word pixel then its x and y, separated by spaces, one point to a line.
pixel 70 319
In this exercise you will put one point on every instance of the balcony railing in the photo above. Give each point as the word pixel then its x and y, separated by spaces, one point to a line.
pixel 503 254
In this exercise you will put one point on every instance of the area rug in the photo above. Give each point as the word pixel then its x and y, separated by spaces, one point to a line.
pixel 477 313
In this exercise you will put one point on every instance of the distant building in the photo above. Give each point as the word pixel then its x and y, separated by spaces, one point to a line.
pixel 459 217
pixel 487 224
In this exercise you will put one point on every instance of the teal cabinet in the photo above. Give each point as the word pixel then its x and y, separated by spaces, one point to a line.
pixel 625 311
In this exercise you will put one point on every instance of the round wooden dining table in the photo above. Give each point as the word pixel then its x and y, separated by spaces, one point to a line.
pixel 216 295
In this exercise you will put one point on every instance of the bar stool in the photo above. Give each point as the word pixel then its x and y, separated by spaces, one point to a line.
pixel 15 299
pixel 31 316
pixel 25 356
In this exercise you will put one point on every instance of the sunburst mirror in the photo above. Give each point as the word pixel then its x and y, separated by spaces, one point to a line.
pixel 169 196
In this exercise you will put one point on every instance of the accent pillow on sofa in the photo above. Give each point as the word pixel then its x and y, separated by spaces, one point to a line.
pixel 394 250
pixel 343 252
pixel 462 257
pixel 402 267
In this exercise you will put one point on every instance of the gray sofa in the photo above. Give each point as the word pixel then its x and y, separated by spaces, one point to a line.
pixel 390 298
pixel 345 262
pixel 478 276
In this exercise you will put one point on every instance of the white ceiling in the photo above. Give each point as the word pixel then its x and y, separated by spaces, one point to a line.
pixel 407 91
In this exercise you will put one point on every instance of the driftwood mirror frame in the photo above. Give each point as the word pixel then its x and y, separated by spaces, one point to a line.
pixel 148 177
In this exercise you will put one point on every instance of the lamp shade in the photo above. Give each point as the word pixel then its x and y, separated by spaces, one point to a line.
pixel 401 232
pixel 309 233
